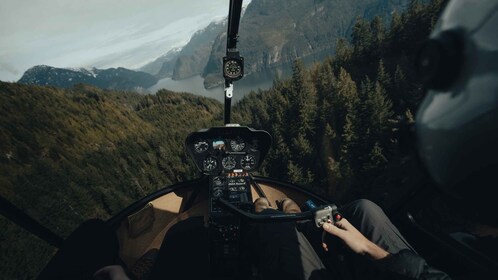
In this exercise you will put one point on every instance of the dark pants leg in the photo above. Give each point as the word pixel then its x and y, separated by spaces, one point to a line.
pixel 371 220
pixel 184 252
pixel 282 252
pixel 90 247
pixel 281 247
pixel 373 223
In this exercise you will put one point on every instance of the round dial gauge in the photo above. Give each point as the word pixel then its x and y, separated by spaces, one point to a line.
pixel 232 69
pixel 209 164
pixel 201 146
pixel 229 162
pixel 237 144
pixel 248 162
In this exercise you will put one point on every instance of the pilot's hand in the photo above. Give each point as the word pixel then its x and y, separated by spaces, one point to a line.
pixel 356 241
pixel 111 272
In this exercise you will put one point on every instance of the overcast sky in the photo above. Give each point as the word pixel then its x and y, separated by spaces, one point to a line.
pixel 97 33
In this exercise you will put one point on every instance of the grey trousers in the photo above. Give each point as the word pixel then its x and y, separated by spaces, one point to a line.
pixel 293 250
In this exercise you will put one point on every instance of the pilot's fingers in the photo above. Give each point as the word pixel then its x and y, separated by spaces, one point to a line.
pixel 334 230
pixel 344 224
pixel 325 246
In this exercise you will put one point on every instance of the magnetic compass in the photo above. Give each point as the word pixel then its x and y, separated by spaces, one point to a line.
pixel 233 67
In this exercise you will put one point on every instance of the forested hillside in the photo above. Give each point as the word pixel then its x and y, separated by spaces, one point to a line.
pixel 67 155
pixel 336 126
pixel 70 155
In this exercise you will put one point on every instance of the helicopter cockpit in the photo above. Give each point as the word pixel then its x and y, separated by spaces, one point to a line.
pixel 204 223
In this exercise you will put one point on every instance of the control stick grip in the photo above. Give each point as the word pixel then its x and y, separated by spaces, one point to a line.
pixel 323 214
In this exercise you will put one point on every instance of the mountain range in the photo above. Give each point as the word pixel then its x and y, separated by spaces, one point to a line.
pixel 272 35
pixel 112 78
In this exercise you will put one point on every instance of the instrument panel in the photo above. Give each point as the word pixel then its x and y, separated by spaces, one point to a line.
pixel 228 149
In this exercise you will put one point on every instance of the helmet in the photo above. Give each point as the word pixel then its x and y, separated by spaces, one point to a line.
pixel 457 122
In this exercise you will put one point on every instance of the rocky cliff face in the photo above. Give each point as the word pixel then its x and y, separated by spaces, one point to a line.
pixel 194 56
pixel 112 78
pixel 189 60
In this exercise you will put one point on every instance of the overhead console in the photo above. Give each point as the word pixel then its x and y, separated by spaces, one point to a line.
pixel 228 149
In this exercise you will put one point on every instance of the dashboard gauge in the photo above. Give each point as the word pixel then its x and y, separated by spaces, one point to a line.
pixel 209 164
pixel 201 146
pixel 229 162
pixel 248 162
pixel 237 144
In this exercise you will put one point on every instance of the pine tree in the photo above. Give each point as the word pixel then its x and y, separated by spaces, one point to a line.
pixel 375 160
pixel 294 172
pixel 379 107
pixel 362 37
pixel 343 53
pixel 302 114
pixel 396 27
pixel 303 105
pixel 378 36
pixel 344 100
pixel 399 88
pixel 383 76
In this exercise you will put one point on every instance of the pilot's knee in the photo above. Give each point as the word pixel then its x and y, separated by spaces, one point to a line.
pixel 365 206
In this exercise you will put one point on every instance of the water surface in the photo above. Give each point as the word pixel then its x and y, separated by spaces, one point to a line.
pixel 195 85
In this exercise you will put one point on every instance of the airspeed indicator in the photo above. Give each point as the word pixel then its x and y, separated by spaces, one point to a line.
pixel 201 146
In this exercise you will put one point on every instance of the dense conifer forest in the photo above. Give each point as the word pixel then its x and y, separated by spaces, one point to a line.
pixel 67 155
pixel 338 126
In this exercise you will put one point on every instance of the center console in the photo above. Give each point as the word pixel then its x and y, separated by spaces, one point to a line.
pixel 227 155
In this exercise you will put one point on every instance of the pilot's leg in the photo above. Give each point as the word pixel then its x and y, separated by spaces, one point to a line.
pixel 372 222
pixel 184 252
pixel 282 252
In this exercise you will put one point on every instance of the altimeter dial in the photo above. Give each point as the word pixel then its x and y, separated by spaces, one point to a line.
pixel 248 162
pixel 237 144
